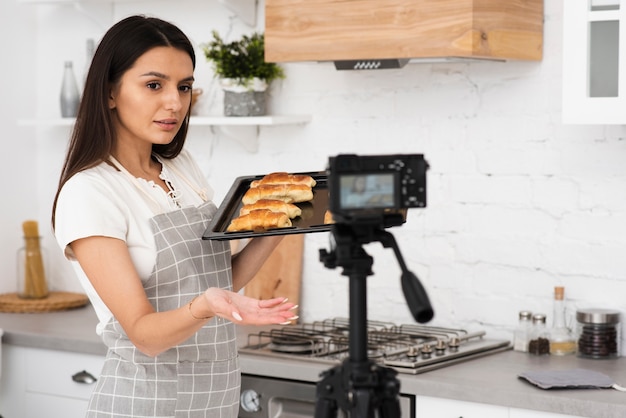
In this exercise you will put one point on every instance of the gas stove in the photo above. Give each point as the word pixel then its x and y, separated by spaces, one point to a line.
pixel 408 348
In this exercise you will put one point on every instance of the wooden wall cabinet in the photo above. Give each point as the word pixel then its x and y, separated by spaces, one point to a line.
pixel 332 30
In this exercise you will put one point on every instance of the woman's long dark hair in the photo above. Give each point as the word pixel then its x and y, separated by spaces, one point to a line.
pixel 93 136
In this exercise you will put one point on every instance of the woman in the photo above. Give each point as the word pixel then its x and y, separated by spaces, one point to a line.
pixel 129 212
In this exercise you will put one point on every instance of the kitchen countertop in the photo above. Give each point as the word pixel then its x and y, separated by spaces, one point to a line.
pixel 490 380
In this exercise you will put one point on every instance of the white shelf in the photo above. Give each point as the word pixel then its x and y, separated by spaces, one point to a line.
pixel 269 120
pixel 249 121
pixel 244 130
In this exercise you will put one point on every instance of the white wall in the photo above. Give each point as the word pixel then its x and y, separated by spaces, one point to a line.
pixel 18 158
pixel 518 202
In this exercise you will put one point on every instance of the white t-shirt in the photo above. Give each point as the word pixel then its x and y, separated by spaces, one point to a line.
pixel 102 201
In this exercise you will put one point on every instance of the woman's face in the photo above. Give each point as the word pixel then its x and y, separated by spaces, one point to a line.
pixel 152 98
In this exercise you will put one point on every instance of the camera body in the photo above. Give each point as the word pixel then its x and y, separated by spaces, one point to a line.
pixel 376 188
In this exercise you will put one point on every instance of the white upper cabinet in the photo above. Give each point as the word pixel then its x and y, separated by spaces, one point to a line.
pixel 594 61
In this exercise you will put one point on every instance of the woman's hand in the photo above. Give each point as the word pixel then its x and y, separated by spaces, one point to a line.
pixel 245 310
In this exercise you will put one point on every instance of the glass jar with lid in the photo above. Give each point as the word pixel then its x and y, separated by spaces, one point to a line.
pixel 599 333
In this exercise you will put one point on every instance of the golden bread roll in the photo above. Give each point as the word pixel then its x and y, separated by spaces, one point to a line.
pixel 290 193
pixel 274 205
pixel 259 219
pixel 328 217
pixel 285 178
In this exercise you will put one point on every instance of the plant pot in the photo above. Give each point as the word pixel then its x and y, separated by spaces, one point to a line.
pixel 244 100
pixel 248 103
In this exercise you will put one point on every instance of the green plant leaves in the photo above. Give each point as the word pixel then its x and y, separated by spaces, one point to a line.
pixel 241 60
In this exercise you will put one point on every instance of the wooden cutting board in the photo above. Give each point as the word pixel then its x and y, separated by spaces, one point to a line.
pixel 281 275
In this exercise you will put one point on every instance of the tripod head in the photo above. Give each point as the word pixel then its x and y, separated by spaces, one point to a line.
pixel 349 254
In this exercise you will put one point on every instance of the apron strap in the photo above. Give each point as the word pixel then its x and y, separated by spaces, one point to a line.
pixel 156 207
pixel 201 192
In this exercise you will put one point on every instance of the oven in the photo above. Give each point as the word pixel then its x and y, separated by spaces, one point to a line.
pixel 406 348
pixel 263 396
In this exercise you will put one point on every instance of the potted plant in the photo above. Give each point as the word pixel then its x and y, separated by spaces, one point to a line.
pixel 243 73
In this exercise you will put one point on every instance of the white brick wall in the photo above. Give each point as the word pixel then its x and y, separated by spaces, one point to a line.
pixel 518 202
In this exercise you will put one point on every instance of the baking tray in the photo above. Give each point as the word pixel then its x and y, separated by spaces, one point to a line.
pixel 311 220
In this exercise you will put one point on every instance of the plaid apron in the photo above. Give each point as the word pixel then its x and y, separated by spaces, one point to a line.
pixel 198 378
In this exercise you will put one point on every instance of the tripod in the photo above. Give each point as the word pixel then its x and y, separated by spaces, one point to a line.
pixel 359 386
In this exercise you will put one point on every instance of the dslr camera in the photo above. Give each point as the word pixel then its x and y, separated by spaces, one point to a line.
pixel 376 189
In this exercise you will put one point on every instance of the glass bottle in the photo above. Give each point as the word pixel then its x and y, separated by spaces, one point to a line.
pixel 562 339
pixel 31 259
pixel 70 97
pixel 520 337
pixel 539 342
pixel 91 48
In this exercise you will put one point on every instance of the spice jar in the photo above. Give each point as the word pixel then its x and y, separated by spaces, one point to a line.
pixel 598 333
pixel 539 343
pixel 520 338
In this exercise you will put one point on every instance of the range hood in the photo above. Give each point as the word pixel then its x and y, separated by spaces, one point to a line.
pixel 382 34
pixel 382 64
pixel 387 64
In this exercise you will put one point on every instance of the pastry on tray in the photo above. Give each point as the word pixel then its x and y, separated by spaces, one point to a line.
pixel 274 205
pixel 285 178
pixel 290 193
pixel 259 219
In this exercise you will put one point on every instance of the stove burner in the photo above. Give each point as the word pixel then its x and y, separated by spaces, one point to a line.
pixel 407 348
pixel 288 344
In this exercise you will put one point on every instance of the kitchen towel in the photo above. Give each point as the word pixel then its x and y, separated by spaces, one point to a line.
pixel 570 379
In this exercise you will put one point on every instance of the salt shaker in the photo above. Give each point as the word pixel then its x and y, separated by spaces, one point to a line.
pixel 520 338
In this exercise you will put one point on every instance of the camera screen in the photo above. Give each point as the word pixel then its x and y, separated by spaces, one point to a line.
pixel 362 191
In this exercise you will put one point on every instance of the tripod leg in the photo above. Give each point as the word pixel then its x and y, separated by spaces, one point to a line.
pixel 327 390
pixel 390 390
pixel 390 408
pixel 325 408
pixel 362 407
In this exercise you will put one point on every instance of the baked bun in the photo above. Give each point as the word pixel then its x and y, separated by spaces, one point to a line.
pixel 328 217
pixel 274 205
pixel 259 219
pixel 290 193
pixel 285 178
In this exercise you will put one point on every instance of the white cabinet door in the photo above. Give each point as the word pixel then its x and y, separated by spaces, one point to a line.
pixel 39 383
pixel 12 382
pixel 50 385
pixel 594 64
pixel 427 407
pixel 524 413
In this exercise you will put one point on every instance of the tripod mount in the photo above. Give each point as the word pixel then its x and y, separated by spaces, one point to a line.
pixel 358 386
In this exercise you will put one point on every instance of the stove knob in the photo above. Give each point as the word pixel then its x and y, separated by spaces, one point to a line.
pixel 427 351
pixel 250 400
pixel 440 348
pixel 413 351
pixel 454 343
